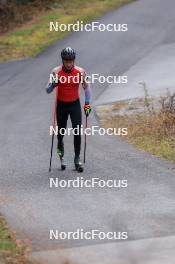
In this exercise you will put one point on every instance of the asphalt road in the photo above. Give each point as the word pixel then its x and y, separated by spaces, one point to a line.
pixel 144 209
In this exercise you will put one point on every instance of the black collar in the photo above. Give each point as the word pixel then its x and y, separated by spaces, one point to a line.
pixel 66 70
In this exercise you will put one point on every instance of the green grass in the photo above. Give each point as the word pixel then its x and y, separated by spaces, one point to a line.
pixel 12 251
pixel 34 37
pixel 6 241
pixel 164 148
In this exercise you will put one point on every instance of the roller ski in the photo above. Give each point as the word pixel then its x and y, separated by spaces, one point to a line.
pixel 60 152
pixel 78 164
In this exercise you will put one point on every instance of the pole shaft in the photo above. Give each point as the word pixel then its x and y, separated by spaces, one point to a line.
pixel 85 143
pixel 54 125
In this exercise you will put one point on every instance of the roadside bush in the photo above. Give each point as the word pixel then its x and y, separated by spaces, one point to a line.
pixel 17 12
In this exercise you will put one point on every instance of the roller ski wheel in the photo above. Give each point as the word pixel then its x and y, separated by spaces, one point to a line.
pixel 63 164
pixel 78 165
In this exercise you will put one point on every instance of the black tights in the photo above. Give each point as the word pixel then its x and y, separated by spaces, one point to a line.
pixel 63 111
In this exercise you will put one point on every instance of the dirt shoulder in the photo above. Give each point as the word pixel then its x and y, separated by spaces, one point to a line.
pixel 150 123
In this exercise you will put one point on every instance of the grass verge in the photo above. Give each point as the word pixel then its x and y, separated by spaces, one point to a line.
pixel 33 37
pixel 12 251
pixel 150 128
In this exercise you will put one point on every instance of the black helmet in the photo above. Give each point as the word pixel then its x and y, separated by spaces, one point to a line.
pixel 68 54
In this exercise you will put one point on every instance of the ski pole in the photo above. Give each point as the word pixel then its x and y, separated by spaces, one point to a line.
pixel 54 124
pixel 85 143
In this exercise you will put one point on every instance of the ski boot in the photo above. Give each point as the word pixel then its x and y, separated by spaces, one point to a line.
pixel 78 164
pixel 60 152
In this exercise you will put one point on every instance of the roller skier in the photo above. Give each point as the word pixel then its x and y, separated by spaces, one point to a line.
pixel 68 101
